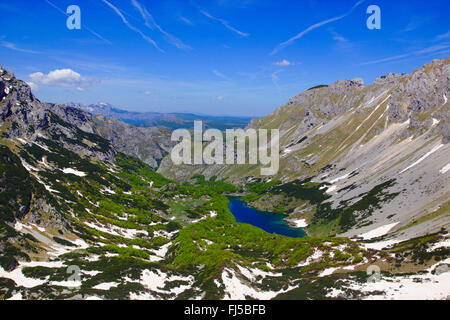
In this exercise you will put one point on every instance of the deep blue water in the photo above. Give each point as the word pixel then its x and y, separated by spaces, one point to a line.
pixel 268 221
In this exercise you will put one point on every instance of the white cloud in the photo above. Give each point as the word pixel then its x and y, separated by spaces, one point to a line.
pixel 225 23
pixel 283 63
pixel 220 98
pixel 62 78
pixel 147 93
pixel 34 87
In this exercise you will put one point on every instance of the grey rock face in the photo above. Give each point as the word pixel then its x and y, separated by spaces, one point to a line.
pixel 26 117
pixel 29 118
pixel 149 144
pixel 396 129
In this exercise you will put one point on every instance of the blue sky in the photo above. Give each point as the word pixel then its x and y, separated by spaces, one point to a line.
pixel 219 57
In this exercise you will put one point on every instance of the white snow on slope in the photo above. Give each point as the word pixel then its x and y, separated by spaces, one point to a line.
pixel 331 189
pixel 115 230
pixel 157 280
pixel 255 273
pixel 93 298
pixel 299 223
pixel 445 168
pixel 442 244
pixel 67 283
pixel 411 287
pixel 74 171
pixel 370 115
pixel 340 178
pixel 327 272
pixel 436 148
pixel 315 256
pixel 237 290
pixel 435 122
pixel 380 244
pixel 162 251
pixel 106 285
pixel 17 276
pixel 378 232
pixel 17 296
pixel 108 190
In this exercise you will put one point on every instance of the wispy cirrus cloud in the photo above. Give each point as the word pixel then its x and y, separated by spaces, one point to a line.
pixel 12 46
pixel 225 23
pixel 337 37
pixel 221 75
pixel 283 45
pixel 416 22
pixel 433 49
pixel 276 80
pixel 84 26
pixel 186 20
pixel 443 36
pixel 131 27
pixel 151 24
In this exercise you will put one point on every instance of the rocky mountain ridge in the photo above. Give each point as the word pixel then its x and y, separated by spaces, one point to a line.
pixel 24 115
pixel 388 141
pixel 81 220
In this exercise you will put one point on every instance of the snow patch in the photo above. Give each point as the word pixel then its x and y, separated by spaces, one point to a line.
pixel 445 168
pixel 380 245
pixel 93 298
pixel 156 281
pixel 331 189
pixel 442 244
pixel 18 277
pixel 17 296
pixel 378 232
pixel 435 122
pixel 340 178
pixel 299 223
pixel 108 190
pixel 237 290
pixel 436 148
pixel 417 287
pixel 255 273
pixel 67 284
pixel 106 285
pixel 74 171
pixel 327 272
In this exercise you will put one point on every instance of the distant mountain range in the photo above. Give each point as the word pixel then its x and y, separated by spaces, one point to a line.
pixel 167 120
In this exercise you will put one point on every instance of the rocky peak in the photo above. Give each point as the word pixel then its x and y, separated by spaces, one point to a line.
pixel 390 79
pixel 23 116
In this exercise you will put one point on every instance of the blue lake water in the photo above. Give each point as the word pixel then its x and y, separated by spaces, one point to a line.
pixel 268 221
